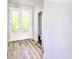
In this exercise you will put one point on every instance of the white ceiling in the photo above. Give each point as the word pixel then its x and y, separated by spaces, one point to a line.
pixel 58 0
pixel 27 2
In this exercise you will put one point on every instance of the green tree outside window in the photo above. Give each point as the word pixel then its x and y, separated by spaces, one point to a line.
pixel 15 20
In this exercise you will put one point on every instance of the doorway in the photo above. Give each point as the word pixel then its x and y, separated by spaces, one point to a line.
pixel 40 27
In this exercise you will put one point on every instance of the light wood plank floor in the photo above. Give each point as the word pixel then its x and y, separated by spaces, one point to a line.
pixel 24 49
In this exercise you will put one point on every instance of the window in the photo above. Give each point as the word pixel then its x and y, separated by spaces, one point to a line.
pixel 20 22
pixel 15 20
pixel 26 20
pixel 21 19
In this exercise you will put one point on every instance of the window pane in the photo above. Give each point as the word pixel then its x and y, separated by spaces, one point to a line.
pixel 26 20
pixel 15 20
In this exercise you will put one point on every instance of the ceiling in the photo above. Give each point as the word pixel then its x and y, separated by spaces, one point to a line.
pixel 27 2
pixel 58 0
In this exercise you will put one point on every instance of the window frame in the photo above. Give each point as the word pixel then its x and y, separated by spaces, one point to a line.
pixel 11 5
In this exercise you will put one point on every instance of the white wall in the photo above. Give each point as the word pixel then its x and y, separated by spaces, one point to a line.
pixel 57 30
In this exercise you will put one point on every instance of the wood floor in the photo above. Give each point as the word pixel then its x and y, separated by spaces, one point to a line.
pixel 24 49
